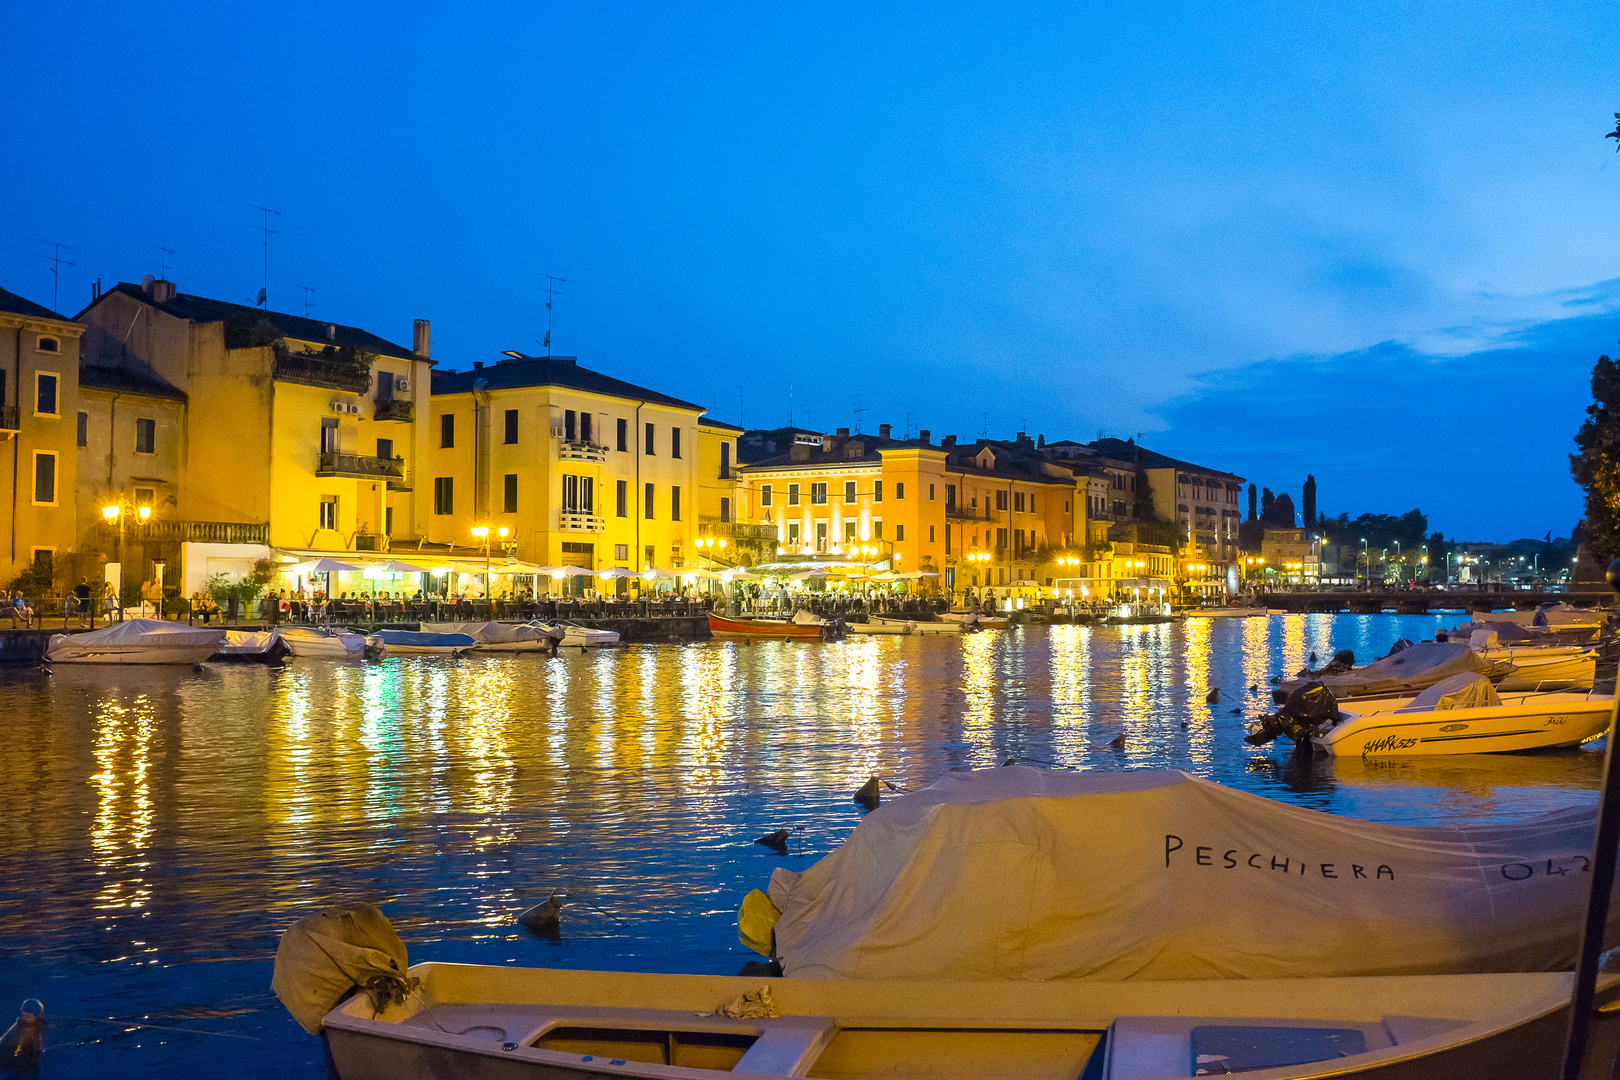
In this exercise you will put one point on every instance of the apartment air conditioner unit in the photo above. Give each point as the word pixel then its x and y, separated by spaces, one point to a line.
pixel 339 407
pixel 354 410
pixel 402 384
pixel 557 432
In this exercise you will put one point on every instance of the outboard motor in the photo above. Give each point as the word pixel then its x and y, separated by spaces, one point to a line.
pixel 1309 710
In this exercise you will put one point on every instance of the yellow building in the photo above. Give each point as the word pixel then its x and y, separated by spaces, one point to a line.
pixel 1015 510
pixel 39 396
pixel 578 467
pixel 298 434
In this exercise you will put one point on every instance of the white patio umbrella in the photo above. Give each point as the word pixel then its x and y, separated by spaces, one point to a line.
pixel 518 568
pixel 615 573
pixel 560 572
pixel 332 566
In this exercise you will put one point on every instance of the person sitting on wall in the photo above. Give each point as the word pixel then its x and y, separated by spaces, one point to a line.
pixel 18 608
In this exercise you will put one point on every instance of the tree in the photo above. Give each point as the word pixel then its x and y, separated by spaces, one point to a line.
pixel 1307 501
pixel 1596 465
pixel 1267 501
pixel 1252 515
pixel 1281 514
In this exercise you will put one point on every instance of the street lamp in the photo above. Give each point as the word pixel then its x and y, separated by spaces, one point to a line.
pixel 483 533
pixel 117 511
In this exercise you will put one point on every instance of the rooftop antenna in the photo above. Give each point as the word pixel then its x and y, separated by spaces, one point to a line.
pixel 856 408
pixel 163 261
pixel 740 409
pixel 790 404
pixel 986 425
pixel 908 425
pixel 307 290
pixel 552 281
pixel 264 293
pixel 57 262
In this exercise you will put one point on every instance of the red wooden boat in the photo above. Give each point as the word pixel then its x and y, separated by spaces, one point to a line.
pixel 720 626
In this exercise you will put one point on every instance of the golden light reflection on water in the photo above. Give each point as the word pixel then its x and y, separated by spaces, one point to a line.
pixel 121 831
pixel 1201 725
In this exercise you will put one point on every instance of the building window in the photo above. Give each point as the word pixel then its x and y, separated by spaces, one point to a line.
pixel 328 512
pixel 877 529
pixel 145 435
pixel 587 495
pixel 568 424
pixel 793 494
pixel 509 500
pixel 621 552
pixel 675 503
pixel 570 493
pixel 84 427
pixel 1001 500
pixel 725 509
pixel 385 386
pixel 725 461
pixel 849 491
pixel 899 532
pixel 585 427
pixel 44 478
pixel 793 533
pixel 648 552
pixel 48 344
pixel 1018 502
pixel 385 449
pixel 624 436
pixel 821 536
pixel 674 442
pixel 622 498
pixel 849 532
pixel 511 426
pixel 877 491
pixel 899 491
pixel 447 430
pixel 647 447
pixel 329 435
pixel 648 512
pixel 145 496
pixel 765 495
pixel 930 534
pixel 444 494
pixel 388 521
pixel 45 394
pixel 818 494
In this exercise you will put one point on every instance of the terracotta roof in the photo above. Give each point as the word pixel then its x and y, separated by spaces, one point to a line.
pixel 12 304
pixel 528 371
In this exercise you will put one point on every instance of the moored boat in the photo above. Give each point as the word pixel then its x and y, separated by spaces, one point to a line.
pixel 975 619
pixel 575 635
pixel 923 626
pixel 413 641
pixel 252 646
pixel 722 626
pixel 883 626
pixel 1465 715
pixel 1225 612
pixel 329 641
pixel 494 636
pixel 137 641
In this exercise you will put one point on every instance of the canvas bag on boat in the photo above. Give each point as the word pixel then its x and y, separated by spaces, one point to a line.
pixel 1024 873
pixel 322 957
pixel 1456 692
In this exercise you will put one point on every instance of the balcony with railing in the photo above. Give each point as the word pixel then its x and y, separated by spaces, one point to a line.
pixel 312 370
pixel 398 409
pixel 969 513
pixel 360 467
pixel 10 418
pixel 581 450
pixel 710 525
pixel 580 521
pixel 191 532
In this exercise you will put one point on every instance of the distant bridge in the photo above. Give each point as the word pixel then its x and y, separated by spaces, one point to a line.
pixel 1421 602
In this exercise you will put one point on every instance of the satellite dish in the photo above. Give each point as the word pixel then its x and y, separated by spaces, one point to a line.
pixel 263 294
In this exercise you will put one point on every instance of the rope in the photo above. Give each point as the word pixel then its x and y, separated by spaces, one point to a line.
pixel 153 1027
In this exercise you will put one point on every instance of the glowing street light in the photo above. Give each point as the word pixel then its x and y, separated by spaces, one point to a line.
pixel 118 511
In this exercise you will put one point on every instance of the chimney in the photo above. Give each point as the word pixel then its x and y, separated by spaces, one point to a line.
pixel 843 433
pixel 163 291
pixel 331 331
pixel 1040 440
pixel 799 452
pixel 478 365
pixel 949 440
pixel 884 429
pixel 423 341
pixel 922 436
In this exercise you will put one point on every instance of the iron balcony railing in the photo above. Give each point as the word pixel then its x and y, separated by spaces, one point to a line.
pixel 395 409
pixel 9 418
pixel 969 513
pixel 359 467
pixel 313 371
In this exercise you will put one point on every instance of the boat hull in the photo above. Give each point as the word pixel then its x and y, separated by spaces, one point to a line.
pixel 336 646
pixel 1521 722
pixel 1225 613
pixel 879 627
pixel 1543 668
pixel 473 1022
pixel 720 626
pixel 139 655
pixel 920 627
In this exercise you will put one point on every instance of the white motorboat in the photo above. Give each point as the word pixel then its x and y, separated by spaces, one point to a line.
pixel 414 641
pixel 1225 612
pixel 1463 714
pixel 137 641
pixel 1545 667
pixel 883 626
pixel 330 641
pixel 494 636
pixel 252 646
pixel 921 626
pixel 974 618
pixel 583 637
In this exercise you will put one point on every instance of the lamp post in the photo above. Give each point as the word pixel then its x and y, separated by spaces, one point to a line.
pixel 116 511
pixel 483 533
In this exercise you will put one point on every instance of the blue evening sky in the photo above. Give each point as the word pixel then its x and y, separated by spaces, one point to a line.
pixel 1376 242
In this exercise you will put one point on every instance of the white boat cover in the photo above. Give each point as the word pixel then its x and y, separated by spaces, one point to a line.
pixel 807 618
pixel 1463 691
pixel 487 633
pixel 247 642
pixel 1414 668
pixel 135 633
pixel 1025 873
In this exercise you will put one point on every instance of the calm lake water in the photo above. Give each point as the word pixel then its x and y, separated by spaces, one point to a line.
pixel 168 825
